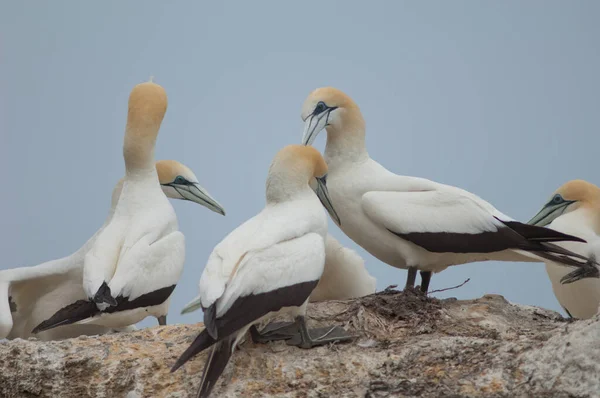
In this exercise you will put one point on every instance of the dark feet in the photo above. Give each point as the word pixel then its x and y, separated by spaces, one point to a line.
pixel 306 338
pixel 273 332
pixel 425 279
pixel 411 278
pixel 162 320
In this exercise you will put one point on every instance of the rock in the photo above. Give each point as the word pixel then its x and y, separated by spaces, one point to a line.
pixel 408 345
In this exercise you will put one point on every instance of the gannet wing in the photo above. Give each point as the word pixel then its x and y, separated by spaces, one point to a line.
pixel 450 222
pixel 146 276
pixel 264 281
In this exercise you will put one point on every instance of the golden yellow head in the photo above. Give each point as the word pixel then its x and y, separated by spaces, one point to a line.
pixel 293 168
pixel 330 108
pixel 569 197
pixel 179 182
pixel 579 191
pixel 147 108
pixel 301 160
pixel 169 170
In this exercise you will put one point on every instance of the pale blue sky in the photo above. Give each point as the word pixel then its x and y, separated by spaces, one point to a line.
pixel 499 98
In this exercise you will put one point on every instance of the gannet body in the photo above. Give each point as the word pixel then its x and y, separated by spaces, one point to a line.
pixel 344 274
pixel 36 292
pixel 410 222
pixel 268 265
pixel 575 209
pixel 134 265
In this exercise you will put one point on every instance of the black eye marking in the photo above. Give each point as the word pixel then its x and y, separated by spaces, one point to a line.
pixel 179 180
pixel 320 108
pixel 557 199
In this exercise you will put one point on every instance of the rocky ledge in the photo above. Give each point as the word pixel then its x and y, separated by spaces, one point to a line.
pixel 408 346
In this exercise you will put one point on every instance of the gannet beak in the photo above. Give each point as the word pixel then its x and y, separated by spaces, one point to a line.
pixel 323 195
pixel 313 125
pixel 192 306
pixel 549 212
pixel 196 193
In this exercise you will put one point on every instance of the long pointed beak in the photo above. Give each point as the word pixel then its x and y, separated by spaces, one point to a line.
pixel 548 213
pixel 323 195
pixel 196 193
pixel 313 126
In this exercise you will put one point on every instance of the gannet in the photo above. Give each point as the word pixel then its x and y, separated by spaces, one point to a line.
pixel 28 295
pixel 410 222
pixel 133 266
pixel 574 209
pixel 270 264
pixel 344 275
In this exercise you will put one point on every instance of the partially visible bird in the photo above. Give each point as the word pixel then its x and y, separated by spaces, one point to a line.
pixel 574 209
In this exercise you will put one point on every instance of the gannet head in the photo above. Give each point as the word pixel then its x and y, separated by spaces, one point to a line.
pixel 330 108
pixel 569 197
pixel 147 107
pixel 294 167
pixel 179 182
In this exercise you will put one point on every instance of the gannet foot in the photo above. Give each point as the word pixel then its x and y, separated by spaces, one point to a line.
pixel 162 320
pixel 306 338
pixel 274 331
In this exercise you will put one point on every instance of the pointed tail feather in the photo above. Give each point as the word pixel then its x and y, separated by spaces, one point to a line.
pixel 534 233
pixel 78 311
pixel 201 343
pixel 589 270
pixel 215 364
pixel 104 296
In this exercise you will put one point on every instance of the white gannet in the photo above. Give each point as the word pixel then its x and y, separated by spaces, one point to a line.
pixel 344 275
pixel 135 263
pixel 270 264
pixel 574 209
pixel 410 222
pixel 28 295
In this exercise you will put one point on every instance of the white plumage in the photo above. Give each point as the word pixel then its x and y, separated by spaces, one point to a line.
pixel 410 222
pixel 344 274
pixel 270 264
pixel 39 291
pixel 575 209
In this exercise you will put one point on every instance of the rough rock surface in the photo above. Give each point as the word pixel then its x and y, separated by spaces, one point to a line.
pixel 408 345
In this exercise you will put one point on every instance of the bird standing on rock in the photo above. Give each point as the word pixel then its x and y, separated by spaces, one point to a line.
pixel 410 222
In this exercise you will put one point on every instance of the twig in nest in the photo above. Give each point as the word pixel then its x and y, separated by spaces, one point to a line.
pixel 450 288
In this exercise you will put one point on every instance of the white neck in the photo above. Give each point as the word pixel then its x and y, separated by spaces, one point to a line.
pixel 345 145
pixel 282 187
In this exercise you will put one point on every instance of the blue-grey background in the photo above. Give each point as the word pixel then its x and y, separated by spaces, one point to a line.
pixel 499 98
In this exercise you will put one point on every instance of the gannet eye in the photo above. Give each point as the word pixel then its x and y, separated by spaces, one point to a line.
pixel 320 108
pixel 557 199
pixel 179 180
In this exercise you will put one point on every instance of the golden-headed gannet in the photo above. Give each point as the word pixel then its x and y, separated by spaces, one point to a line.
pixel 410 222
pixel 344 275
pixel 575 209
pixel 134 265
pixel 29 295
pixel 270 264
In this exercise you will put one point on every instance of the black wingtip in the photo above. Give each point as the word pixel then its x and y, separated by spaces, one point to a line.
pixel 215 364
pixel 104 296
pixel 540 234
pixel 589 270
pixel 200 343
pixel 78 311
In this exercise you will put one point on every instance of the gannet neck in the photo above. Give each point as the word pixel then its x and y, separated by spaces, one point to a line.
pixel 147 107
pixel 346 142
pixel 291 171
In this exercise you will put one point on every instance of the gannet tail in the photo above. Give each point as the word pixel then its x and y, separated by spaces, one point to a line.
pixel 78 311
pixel 215 364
